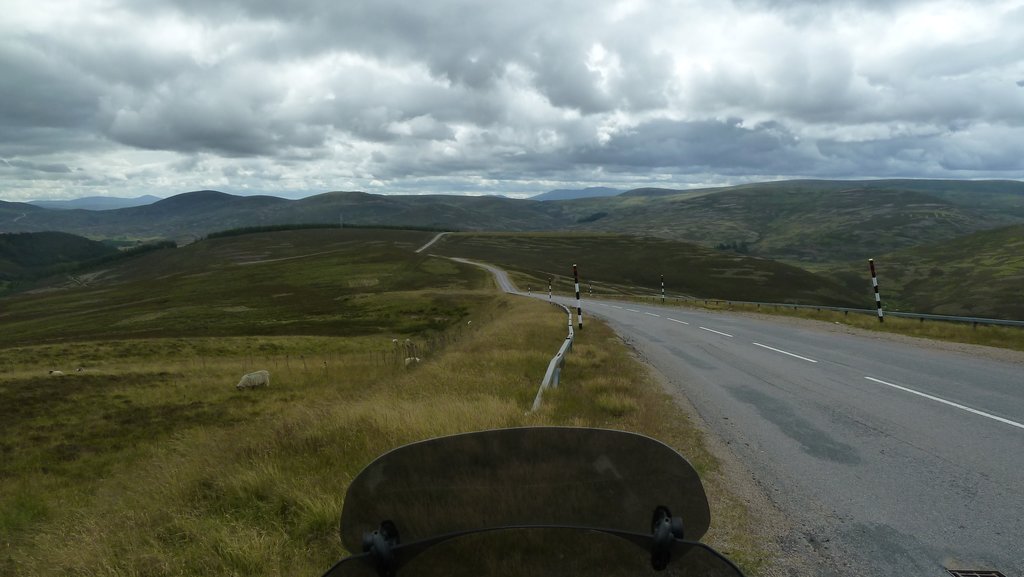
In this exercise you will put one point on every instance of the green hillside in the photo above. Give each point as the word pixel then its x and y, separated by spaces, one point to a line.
pixel 812 222
pixel 32 253
pixel 981 274
pixel 257 284
pixel 195 214
pixel 626 264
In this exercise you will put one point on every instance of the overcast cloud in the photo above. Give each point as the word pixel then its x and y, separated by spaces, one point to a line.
pixel 119 97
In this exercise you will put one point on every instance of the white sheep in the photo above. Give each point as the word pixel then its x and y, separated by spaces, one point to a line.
pixel 56 373
pixel 257 379
pixel 411 360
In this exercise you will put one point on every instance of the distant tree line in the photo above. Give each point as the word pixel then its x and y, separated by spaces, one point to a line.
pixel 736 246
pixel 592 218
pixel 34 268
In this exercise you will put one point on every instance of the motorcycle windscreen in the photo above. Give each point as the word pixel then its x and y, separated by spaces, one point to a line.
pixel 542 552
pixel 524 476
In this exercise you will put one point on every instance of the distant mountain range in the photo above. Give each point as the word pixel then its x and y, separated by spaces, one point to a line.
pixel 815 224
pixel 811 223
pixel 96 202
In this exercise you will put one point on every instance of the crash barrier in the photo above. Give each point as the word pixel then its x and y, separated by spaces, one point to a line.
pixel 554 371
pixel 919 316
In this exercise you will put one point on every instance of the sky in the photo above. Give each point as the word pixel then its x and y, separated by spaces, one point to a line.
pixel 126 98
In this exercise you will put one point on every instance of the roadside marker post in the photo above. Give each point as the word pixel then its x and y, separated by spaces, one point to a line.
pixel 549 287
pixel 874 284
pixel 662 289
pixel 579 309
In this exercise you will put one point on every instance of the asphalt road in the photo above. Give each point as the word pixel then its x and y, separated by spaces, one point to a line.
pixel 889 458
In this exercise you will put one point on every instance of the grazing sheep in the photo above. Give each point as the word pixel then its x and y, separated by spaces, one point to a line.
pixel 56 373
pixel 257 379
pixel 411 360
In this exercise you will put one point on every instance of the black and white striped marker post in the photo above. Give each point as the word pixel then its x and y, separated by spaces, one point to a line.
pixel 874 283
pixel 579 309
pixel 662 289
pixel 549 288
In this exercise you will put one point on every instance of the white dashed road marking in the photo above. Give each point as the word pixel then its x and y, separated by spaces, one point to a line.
pixel 716 332
pixel 950 403
pixel 785 352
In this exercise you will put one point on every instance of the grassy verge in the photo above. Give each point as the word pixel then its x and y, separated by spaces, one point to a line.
pixel 150 463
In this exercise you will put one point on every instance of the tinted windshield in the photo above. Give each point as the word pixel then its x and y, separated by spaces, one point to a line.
pixel 561 476
pixel 525 476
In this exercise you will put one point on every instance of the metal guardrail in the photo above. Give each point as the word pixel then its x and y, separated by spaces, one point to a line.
pixel 554 372
pixel 920 316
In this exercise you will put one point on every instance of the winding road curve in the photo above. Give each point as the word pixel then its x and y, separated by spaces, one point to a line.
pixel 889 457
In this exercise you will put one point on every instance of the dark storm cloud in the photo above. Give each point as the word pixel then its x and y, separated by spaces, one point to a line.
pixel 35 166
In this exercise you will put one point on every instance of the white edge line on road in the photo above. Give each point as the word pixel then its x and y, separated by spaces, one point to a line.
pixel 716 332
pixel 677 321
pixel 653 315
pixel 950 403
pixel 785 353
pixel 616 307
pixel 632 310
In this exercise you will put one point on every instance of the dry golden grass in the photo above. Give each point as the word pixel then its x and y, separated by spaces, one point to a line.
pixel 257 488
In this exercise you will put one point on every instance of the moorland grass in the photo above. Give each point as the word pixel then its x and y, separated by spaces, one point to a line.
pixel 615 262
pixel 319 282
pixel 149 462
pixel 208 480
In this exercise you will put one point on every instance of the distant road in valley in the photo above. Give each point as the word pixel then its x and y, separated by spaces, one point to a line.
pixel 436 238
pixel 890 456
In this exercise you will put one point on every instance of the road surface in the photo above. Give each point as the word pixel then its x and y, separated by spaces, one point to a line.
pixel 889 457
pixel 436 238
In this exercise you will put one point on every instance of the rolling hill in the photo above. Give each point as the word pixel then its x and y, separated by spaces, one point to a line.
pixel 304 282
pixel 620 264
pixel 812 223
pixel 195 214
pixel 817 225
pixel 981 274
pixel 570 194
pixel 96 202
pixel 24 254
